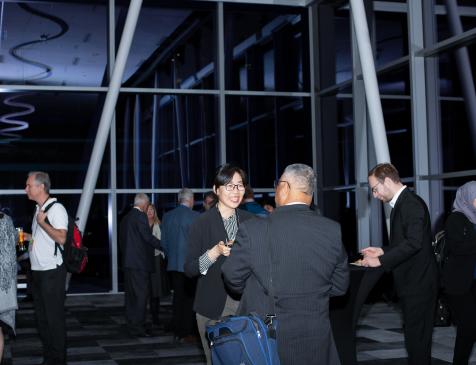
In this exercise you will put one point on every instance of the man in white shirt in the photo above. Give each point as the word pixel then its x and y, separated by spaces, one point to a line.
pixel 48 271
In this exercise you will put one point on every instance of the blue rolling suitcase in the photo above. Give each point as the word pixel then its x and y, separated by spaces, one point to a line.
pixel 243 340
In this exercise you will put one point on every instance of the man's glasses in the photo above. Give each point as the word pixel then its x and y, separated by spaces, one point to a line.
pixel 277 182
pixel 231 187
pixel 373 189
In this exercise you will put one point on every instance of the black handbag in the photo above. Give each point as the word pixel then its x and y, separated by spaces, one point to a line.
pixel 442 313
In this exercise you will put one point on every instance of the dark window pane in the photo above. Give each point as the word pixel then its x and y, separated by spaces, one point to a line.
pixel 171 145
pixel 57 136
pixel 337 141
pixel 459 144
pixel 451 72
pixel 266 48
pixel 340 206
pixel 265 134
pixel 334 36
pixel 173 46
pixel 465 9
pixel 61 43
pixel 392 37
pixel 398 124
pixel 395 82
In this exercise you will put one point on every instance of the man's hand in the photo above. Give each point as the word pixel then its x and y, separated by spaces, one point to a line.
pixel 372 252
pixel 57 235
pixel 40 217
pixel 371 262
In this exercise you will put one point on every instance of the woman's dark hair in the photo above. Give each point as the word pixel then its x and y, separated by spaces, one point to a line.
pixel 225 174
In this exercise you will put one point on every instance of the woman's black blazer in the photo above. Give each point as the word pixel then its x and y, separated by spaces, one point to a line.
pixel 205 232
pixel 458 271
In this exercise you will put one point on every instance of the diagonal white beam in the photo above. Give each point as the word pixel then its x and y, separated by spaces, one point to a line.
pixel 372 94
pixel 107 113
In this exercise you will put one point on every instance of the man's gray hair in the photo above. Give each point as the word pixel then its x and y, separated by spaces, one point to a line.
pixel 304 177
pixel 185 195
pixel 141 199
pixel 42 178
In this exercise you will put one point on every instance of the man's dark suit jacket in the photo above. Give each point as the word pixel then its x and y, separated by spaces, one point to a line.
pixel 309 265
pixel 137 242
pixel 410 255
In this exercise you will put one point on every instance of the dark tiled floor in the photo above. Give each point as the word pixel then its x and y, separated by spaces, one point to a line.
pixel 96 335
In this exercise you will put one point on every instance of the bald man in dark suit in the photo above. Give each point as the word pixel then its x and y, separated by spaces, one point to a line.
pixel 137 245
pixel 308 264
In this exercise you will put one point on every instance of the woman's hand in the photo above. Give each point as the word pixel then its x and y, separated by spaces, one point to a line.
pixel 218 250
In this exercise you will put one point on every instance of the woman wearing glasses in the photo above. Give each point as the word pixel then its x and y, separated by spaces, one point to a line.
pixel 210 239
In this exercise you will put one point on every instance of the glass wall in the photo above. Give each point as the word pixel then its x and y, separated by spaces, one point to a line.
pixel 171 111
pixel 193 98
pixel 429 119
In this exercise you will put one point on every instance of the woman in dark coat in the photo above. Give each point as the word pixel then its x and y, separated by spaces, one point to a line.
pixel 459 272
pixel 210 239
pixel 158 283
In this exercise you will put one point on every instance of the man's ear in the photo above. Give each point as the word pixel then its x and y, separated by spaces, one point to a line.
pixel 214 189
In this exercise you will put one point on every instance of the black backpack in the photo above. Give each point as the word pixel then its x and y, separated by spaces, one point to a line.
pixel 440 250
pixel 75 254
pixel 442 312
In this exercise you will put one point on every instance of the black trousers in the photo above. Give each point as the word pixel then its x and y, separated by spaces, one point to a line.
pixel 137 284
pixel 183 315
pixel 48 289
pixel 463 309
pixel 418 315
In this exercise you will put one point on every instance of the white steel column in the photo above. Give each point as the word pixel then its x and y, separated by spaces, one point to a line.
pixel 379 135
pixel 107 113
pixel 464 69
pixel 221 83
pixel 312 16
pixel 112 208
pixel 418 97
pixel 361 158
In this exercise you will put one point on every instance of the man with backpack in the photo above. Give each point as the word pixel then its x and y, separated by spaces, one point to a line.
pixel 48 269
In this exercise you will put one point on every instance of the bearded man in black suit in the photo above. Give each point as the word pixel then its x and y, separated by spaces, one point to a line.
pixel 410 257
pixel 304 255
pixel 137 245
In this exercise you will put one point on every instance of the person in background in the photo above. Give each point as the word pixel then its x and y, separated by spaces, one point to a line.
pixel 8 279
pixel 459 270
pixel 250 205
pixel 210 240
pixel 268 207
pixel 209 200
pixel 48 269
pixel 175 231
pixel 137 245
pixel 410 258
pixel 157 280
